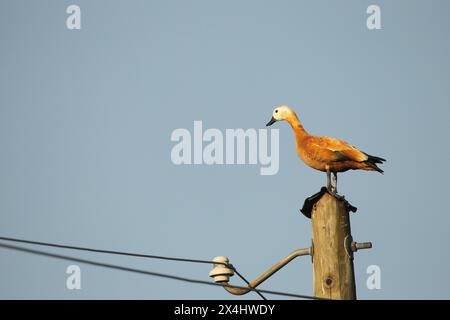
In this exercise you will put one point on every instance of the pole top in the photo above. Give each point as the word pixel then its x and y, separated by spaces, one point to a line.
pixel 309 203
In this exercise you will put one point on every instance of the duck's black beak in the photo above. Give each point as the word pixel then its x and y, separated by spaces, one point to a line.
pixel 271 122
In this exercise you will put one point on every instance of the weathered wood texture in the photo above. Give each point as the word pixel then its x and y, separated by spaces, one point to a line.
pixel 332 256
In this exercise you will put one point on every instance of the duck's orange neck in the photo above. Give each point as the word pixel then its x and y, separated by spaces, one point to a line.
pixel 297 127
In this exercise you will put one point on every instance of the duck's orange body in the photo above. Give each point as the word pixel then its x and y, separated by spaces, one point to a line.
pixel 324 153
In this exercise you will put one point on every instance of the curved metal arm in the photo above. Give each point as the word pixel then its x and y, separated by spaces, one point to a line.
pixel 268 273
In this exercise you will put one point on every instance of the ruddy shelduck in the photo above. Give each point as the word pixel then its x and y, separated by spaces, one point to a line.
pixel 324 153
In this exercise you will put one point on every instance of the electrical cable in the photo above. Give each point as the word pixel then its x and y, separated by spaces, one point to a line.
pixel 63 246
pixel 100 264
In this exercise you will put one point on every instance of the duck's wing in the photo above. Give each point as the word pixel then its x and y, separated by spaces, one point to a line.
pixel 331 149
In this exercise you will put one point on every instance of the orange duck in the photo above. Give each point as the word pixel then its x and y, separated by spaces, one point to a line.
pixel 324 153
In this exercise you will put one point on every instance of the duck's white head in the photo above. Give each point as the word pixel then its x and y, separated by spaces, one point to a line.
pixel 281 113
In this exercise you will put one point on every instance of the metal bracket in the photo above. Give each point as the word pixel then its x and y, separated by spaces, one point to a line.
pixel 222 273
pixel 353 246
pixel 348 246
pixel 361 245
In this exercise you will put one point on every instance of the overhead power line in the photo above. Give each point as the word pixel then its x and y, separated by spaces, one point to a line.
pixel 115 252
pixel 63 246
pixel 139 271
pixel 121 253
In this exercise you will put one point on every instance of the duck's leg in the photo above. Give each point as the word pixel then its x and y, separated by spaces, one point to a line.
pixel 335 181
pixel 329 180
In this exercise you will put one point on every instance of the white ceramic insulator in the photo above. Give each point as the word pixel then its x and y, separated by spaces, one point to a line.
pixel 221 272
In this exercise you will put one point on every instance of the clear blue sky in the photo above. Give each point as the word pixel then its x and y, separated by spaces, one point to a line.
pixel 86 118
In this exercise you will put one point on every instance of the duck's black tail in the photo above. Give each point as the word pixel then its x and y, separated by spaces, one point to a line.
pixel 372 162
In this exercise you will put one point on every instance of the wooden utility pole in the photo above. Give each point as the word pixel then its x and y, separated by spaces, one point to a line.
pixel 332 245
pixel 334 277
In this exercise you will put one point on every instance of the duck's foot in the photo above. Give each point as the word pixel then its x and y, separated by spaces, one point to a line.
pixel 342 198
pixel 336 195
pixel 331 190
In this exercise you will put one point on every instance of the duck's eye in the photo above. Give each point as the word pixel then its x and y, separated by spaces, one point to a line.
pixel 276 111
